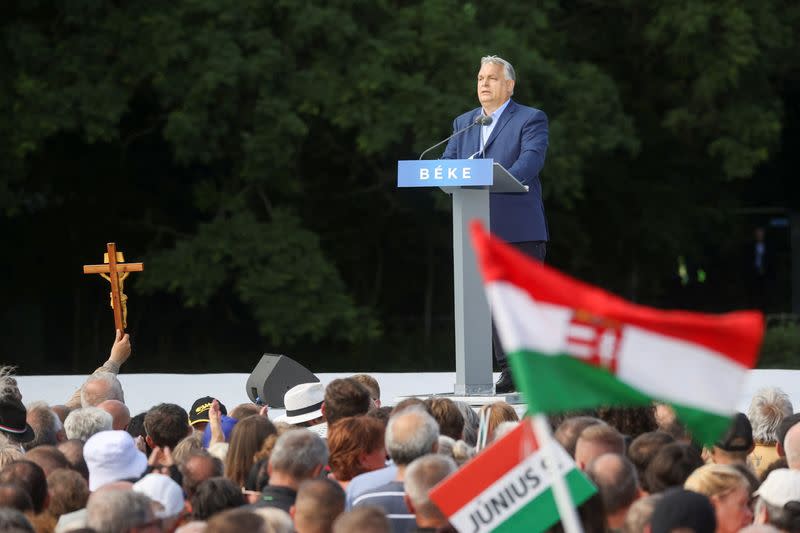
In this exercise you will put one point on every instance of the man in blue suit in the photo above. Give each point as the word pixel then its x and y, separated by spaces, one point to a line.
pixel 517 139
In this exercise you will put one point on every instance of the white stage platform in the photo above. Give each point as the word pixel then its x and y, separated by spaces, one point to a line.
pixel 142 391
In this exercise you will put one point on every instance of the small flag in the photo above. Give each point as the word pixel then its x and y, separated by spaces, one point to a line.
pixel 507 487
pixel 575 346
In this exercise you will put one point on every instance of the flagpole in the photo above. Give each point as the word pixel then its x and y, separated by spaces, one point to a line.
pixel 566 509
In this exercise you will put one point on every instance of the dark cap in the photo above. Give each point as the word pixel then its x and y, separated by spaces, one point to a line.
pixel 739 437
pixel 200 408
pixel 683 509
pixel 12 420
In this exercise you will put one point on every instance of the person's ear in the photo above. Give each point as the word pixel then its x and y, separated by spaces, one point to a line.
pixel 292 511
pixel 317 471
pixel 322 410
pixel 149 442
pixel 269 469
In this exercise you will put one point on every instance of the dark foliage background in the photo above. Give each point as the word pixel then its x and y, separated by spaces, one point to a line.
pixel 245 151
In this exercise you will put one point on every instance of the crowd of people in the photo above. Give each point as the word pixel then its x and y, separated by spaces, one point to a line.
pixel 340 461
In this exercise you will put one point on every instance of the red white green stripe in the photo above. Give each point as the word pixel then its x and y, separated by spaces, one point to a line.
pixel 573 346
pixel 506 487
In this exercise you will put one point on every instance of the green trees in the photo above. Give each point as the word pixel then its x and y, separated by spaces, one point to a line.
pixel 250 146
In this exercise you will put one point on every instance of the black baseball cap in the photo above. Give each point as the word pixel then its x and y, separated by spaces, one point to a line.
pixel 739 437
pixel 200 408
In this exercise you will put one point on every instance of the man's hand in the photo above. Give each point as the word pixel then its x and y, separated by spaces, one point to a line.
pixel 215 421
pixel 121 349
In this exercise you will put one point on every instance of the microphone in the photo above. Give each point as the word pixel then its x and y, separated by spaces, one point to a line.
pixel 481 120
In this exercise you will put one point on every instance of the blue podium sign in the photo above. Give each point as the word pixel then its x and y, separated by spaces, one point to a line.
pixel 445 173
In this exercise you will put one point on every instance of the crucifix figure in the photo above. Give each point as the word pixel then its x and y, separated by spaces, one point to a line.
pixel 115 270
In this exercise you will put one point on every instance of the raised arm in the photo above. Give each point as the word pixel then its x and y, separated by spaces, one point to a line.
pixel 120 352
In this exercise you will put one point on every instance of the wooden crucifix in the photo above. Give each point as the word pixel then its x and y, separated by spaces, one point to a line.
pixel 115 270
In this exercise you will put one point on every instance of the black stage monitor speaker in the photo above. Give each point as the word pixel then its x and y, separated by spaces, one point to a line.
pixel 273 376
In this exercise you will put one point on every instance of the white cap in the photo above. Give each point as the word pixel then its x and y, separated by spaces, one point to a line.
pixel 112 456
pixel 163 490
pixel 303 403
pixel 780 487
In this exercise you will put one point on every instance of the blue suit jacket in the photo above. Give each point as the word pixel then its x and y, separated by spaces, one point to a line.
pixel 519 143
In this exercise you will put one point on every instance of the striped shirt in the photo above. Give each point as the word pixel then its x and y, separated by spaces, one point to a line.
pixel 389 497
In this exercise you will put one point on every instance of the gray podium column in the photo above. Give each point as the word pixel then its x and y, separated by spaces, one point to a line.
pixel 473 320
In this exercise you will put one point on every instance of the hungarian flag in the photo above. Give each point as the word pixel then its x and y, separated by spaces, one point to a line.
pixel 575 346
pixel 507 488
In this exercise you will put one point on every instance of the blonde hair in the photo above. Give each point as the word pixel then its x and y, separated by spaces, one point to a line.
pixel 716 480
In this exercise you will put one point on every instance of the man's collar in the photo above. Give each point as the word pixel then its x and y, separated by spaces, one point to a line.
pixel 497 112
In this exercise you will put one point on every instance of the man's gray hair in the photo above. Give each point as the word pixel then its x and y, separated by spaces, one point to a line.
pixel 9 453
pixel 298 452
pixel 508 69
pixel 114 392
pixel 616 478
pixel 410 434
pixel 640 512
pixel 15 521
pixel 83 423
pixel 471 422
pixel 45 424
pixel 767 408
pixel 117 511
pixel 8 385
pixel 422 475
pixel 786 518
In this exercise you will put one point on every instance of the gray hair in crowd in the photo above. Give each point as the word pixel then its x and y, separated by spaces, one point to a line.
pixel 616 478
pixel 45 424
pixel 85 422
pixel 278 519
pixel 421 476
pixel 785 518
pixel 298 452
pixel 90 399
pixel 117 511
pixel 640 512
pixel 471 422
pixel 767 408
pixel 508 70
pixel 404 448
pixel 10 453
pixel 14 521
pixel 8 385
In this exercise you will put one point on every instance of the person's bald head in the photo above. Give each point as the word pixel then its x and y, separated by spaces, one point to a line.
pixel 595 441
pixel 570 429
pixel 410 434
pixel 73 451
pixel 99 387
pixel 791 445
pixel 47 457
pixel 119 412
pixel 198 467
pixel 319 502
pixel 616 478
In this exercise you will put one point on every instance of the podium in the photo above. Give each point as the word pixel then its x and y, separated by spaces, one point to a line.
pixel 469 182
